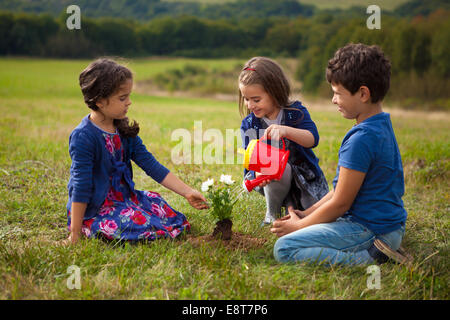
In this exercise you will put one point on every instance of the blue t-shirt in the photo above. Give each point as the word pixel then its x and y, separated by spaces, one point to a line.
pixel 371 147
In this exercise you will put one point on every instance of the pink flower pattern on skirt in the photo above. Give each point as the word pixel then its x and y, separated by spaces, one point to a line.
pixel 105 210
pixel 108 227
pixel 127 212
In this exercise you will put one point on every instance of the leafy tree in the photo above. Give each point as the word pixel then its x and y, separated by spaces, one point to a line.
pixel 420 54
pixel 284 38
pixel 28 33
pixel 418 7
pixel 440 50
pixel 6 24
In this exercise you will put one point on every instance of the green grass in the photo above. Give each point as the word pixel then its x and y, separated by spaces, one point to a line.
pixel 40 104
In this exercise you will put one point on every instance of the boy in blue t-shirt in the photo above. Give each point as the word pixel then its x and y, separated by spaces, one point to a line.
pixel 362 220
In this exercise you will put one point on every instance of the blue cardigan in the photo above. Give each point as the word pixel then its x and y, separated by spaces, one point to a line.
pixel 297 116
pixel 92 166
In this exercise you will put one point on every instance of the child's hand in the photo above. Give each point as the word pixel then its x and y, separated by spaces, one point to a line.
pixel 196 200
pixel 285 225
pixel 264 183
pixel 275 132
pixel 71 240
pixel 301 214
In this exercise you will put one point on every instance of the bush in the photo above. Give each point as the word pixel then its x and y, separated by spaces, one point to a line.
pixel 196 78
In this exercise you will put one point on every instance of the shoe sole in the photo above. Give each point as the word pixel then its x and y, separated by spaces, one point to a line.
pixel 400 256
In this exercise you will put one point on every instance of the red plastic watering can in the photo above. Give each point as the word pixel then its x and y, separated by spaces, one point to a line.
pixel 265 159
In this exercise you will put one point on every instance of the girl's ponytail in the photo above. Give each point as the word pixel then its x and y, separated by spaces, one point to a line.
pixel 126 129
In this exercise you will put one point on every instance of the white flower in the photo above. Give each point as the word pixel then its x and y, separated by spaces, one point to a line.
pixel 207 184
pixel 226 179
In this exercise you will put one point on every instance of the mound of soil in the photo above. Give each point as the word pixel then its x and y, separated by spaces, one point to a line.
pixel 238 241
pixel 223 229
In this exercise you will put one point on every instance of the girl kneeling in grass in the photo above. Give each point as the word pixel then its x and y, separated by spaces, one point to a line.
pixel 102 198
pixel 264 100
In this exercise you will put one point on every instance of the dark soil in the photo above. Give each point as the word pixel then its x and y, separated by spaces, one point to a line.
pixel 223 229
pixel 238 241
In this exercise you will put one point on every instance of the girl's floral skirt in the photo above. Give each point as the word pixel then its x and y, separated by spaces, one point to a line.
pixel 145 215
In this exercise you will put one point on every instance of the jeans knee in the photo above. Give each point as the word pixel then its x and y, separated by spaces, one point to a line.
pixel 393 239
pixel 280 250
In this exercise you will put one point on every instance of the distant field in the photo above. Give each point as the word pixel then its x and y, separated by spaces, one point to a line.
pixel 40 104
pixel 323 4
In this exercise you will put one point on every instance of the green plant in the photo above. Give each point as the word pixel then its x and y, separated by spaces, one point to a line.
pixel 221 197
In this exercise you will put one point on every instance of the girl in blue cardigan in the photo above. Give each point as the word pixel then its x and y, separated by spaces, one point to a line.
pixel 102 199
pixel 264 94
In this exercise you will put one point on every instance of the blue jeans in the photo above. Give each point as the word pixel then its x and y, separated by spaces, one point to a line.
pixel 340 242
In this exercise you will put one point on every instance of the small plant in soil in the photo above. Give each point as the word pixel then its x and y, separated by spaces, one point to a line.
pixel 222 199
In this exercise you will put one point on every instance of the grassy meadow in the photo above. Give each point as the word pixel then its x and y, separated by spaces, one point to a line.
pixel 40 104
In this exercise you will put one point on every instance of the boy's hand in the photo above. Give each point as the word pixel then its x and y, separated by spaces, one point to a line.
pixel 285 225
pixel 196 200
pixel 301 214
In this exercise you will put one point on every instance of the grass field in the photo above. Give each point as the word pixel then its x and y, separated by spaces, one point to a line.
pixel 40 104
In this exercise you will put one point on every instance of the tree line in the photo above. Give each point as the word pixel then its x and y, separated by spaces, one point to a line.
pixel 418 47
pixel 145 10
pixel 44 35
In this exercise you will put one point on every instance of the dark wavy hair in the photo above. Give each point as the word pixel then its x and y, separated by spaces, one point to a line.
pixel 100 80
pixel 356 65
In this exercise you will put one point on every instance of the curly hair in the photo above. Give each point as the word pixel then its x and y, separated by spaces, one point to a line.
pixel 356 65
pixel 100 80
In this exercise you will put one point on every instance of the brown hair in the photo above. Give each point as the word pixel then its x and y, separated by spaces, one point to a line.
pixel 357 65
pixel 100 80
pixel 268 74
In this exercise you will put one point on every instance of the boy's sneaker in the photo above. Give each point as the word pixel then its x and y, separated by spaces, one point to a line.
pixel 382 253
